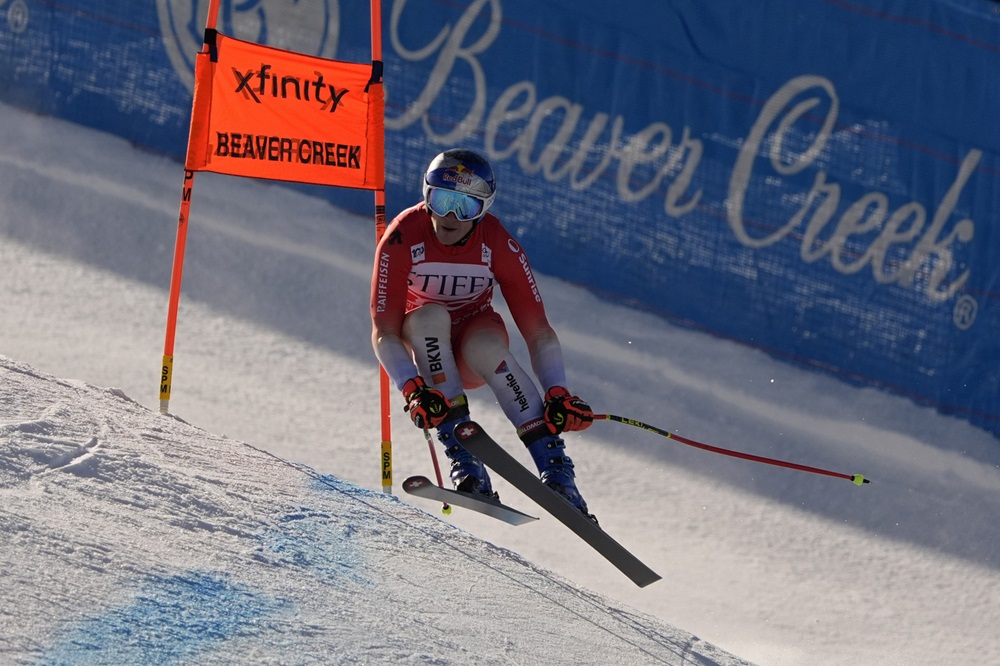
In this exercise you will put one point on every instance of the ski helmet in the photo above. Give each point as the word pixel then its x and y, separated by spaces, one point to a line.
pixel 462 182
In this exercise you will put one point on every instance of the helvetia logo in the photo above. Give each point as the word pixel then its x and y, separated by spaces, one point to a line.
pixel 312 28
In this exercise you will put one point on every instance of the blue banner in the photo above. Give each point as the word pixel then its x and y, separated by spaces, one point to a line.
pixel 817 178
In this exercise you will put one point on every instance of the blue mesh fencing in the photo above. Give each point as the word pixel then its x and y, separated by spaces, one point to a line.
pixel 817 178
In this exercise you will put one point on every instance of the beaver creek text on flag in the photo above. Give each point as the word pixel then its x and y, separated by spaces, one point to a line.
pixel 238 145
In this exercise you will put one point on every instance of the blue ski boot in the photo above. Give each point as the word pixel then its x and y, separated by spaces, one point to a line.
pixel 467 472
pixel 555 469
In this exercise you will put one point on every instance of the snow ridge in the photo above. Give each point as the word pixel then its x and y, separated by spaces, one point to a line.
pixel 155 541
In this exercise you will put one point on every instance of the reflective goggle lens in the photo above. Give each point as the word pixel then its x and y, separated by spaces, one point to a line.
pixel 464 206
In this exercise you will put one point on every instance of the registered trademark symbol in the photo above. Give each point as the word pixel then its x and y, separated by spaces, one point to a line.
pixel 964 314
pixel 17 16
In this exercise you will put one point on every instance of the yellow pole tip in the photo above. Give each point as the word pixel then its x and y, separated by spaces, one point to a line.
pixel 858 479
pixel 446 510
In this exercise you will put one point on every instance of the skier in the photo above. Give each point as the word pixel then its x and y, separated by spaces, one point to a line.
pixel 435 331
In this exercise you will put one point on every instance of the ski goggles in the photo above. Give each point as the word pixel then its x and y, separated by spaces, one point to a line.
pixel 465 206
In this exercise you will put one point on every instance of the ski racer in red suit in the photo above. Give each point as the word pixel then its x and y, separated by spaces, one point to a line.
pixel 436 334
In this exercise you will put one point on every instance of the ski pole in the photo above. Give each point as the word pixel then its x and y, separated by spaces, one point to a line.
pixel 857 479
pixel 445 507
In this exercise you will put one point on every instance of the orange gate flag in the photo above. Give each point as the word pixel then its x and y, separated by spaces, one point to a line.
pixel 262 112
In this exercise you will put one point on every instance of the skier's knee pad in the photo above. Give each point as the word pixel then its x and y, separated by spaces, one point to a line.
pixel 429 320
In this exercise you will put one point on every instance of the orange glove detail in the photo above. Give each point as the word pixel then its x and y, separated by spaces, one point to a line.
pixel 427 407
pixel 566 412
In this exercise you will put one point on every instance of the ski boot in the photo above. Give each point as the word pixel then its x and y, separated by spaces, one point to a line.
pixel 467 472
pixel 555 469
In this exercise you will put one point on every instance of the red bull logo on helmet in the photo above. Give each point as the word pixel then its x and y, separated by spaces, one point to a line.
pixel 458 174
pixel 464 180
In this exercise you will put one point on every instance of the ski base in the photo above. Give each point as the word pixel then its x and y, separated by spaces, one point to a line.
pixel 421 486
pixel 478 443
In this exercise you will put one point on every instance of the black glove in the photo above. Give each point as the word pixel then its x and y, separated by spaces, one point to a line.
pixel 566 412
pixel 427 407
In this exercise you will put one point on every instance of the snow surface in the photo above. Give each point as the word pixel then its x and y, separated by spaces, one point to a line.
pixel 259 533
pixel 135 538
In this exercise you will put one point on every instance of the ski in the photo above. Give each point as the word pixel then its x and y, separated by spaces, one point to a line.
pixel 421 486
pixel 481 445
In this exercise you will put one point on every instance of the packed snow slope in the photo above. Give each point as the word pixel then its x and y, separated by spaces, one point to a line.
pixel 777 566
pixel 133 538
